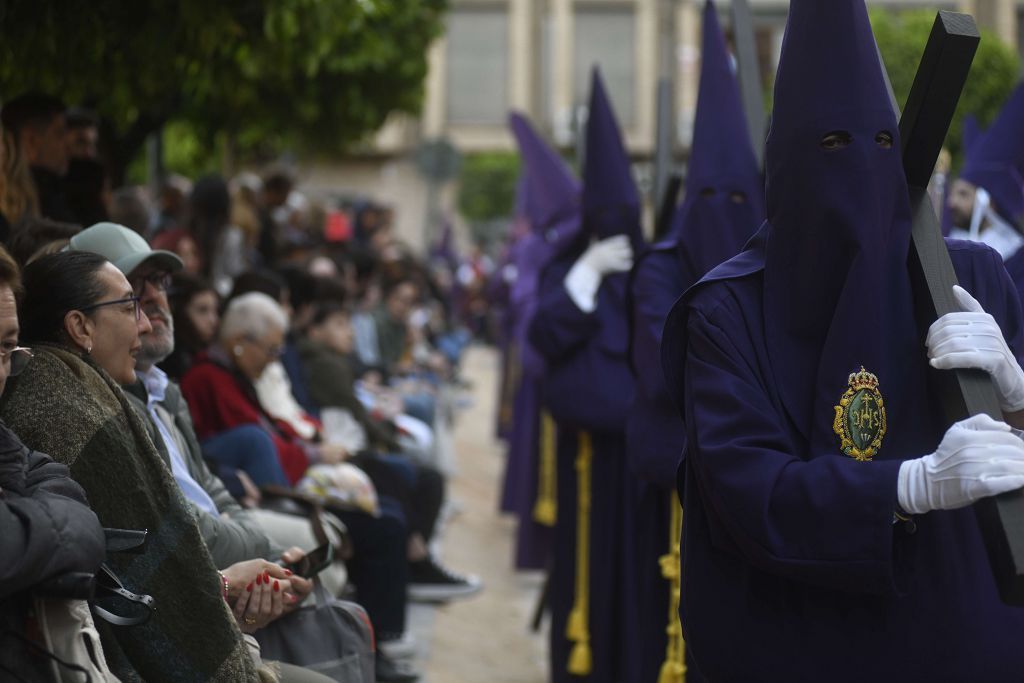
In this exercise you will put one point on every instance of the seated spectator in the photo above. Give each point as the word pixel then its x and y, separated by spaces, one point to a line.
pixel 219 386
pixel 326 356
pixel 46 526
pixel 173 203
pixel 221 244
pixel 384 342
pixel 182 243
pixel 326 352
pixel 38 126
pixel 87 191
pixel 273 212
pixel 130 207
pixel 35 237
pixel 18 199
pixel 219 390
pixel 83 133
pixel 80 312
pixel 232 534
pixel 86 186
pixel 195 306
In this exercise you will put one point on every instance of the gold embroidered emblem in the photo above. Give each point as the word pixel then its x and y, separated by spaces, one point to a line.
pixel 860 417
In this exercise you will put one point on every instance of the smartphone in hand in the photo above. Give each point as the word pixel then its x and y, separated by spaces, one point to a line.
pixel 314 562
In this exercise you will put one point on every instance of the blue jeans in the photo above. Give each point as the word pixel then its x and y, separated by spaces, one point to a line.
pixel 248 448
pixel 420 405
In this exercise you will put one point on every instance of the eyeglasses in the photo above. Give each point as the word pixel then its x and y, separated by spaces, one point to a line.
pixel 272 352
pixel 129 300
pixel 160 280
pixel 17 358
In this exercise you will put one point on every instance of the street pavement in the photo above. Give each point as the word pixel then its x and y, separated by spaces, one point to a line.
pixel 485 638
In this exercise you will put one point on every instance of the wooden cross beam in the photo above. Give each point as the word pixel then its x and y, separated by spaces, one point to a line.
pixel 924 124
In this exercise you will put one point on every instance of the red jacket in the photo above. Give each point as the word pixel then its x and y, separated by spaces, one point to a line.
pixel 219 401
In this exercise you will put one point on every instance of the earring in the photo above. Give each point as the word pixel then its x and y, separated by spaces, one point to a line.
pixel 88 349
pixel 237 350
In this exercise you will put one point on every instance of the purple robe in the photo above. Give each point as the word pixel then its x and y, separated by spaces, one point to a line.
pixel 722 208
pixel 789 548
pixel 1015 267
pixel 587 387
pixel 548 199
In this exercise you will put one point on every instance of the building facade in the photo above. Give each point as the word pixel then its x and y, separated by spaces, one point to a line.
pixel 535 56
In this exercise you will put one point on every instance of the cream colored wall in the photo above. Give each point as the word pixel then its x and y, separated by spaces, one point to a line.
pixel 391 178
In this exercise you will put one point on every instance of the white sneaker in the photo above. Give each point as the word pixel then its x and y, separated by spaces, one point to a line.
pixel 399 648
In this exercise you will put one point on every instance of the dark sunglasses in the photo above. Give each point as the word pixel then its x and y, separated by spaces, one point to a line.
pixel 132 300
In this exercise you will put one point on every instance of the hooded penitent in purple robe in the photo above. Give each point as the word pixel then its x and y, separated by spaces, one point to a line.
pixel 995 158
pixel 722 209
pixel 550 204
pixel 586 388
pixel 995 162
pixel 793 568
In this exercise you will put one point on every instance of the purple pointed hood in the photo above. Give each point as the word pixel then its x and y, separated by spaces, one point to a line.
pixel 443 250
pixel 552 200
pixel 551 203
pixel 724 201
pixel 996 160
pixel 837 292
pixel 611 201
pixel 970 133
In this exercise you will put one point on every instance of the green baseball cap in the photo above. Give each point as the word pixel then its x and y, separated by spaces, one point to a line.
pixel 123 247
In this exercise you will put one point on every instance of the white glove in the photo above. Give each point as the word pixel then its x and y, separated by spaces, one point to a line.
pixel 972 339
pixel 611 255
pixel 978 458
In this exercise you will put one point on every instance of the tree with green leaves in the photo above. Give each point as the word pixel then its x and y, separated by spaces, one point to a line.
pixel 255 75
pixel 901 38
pixel 487 189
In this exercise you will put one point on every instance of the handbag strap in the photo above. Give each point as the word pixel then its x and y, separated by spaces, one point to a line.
pixel 109 584
pixel 315 513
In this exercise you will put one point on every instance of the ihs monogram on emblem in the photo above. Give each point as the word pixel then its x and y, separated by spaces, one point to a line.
pixel 860 417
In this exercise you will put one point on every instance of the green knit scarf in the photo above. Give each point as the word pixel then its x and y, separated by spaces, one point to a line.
pixel 68 407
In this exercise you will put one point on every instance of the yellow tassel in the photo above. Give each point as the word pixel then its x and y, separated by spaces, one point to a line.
pixel 672 672
pixel 545 510
pixel 581 660
pixel 674 668
pixel 578 628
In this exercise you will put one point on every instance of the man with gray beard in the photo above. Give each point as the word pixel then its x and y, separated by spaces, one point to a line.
pixel 231 533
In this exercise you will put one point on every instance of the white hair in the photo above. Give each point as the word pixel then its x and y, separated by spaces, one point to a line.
pixel 252 315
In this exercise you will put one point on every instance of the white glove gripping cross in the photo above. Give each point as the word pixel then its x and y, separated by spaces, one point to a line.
pixel 978 458
pixel 611 255
pixel 972 339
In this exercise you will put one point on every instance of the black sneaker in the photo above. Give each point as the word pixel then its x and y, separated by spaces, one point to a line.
pixel 432 582
pixel 388 670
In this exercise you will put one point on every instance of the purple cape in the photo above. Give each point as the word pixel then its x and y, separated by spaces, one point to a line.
pixel 791 544
pixel 995 158
pixel 723 206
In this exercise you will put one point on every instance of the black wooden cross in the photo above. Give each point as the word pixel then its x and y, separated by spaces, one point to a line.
pixel 923 126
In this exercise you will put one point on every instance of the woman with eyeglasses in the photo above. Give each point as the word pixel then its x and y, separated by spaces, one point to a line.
pixel 46 527
pixel 220 391
pixel 83 322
